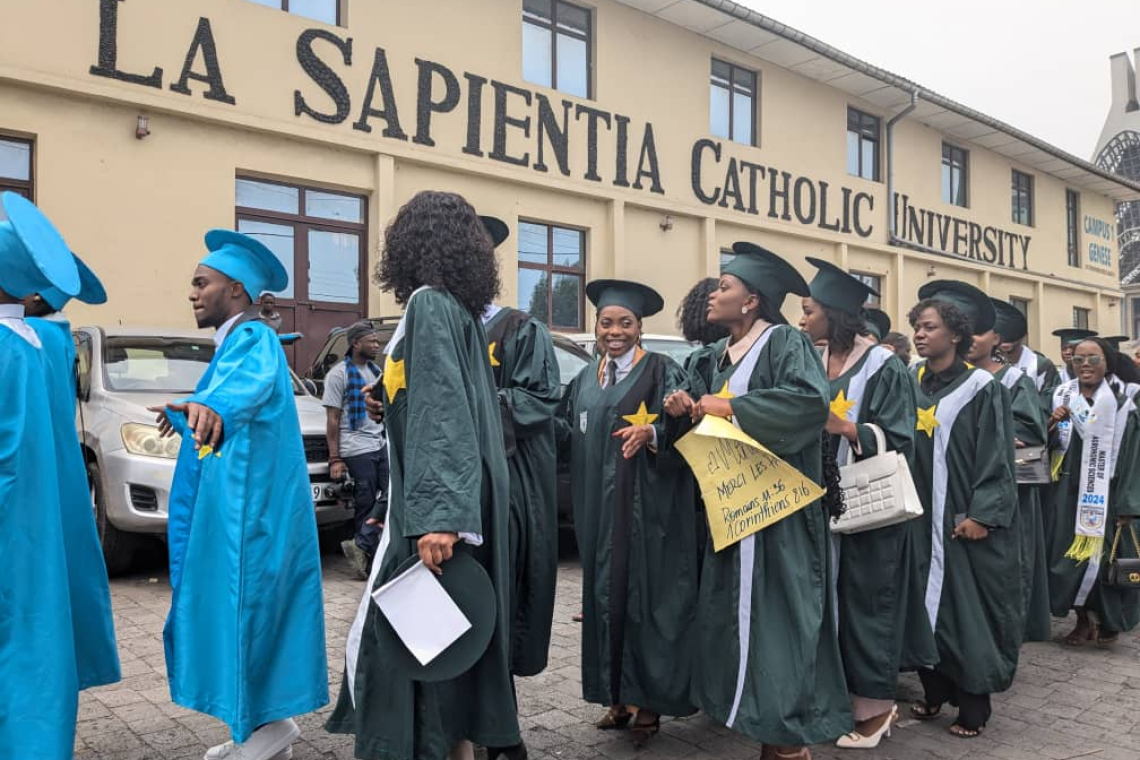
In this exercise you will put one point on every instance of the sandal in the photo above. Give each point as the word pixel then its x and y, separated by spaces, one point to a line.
pixel 1105 638
pixel 643 730
pixel 1078 637
pixel 615 718
pixel 923 711
pixel 965 733
pixel 800 754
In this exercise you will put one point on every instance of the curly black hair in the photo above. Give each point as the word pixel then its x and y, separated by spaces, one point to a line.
pixel 834 503
pixel 954 318
pixel 438 240
pixel 842 327
pixel 692 314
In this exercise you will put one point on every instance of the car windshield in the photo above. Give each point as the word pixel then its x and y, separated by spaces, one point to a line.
pixel 157 364
pixel 569 364
pixel 676 349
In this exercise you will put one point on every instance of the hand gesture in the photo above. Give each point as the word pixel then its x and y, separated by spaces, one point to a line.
pixel 679 404
pixel 634 438
pixel 710 404
pixel 375 408
pixel 337 469
pixel 1060 414
pixel 971 530
pixel 436 548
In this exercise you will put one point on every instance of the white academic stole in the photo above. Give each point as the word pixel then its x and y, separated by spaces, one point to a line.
pixel 1096 423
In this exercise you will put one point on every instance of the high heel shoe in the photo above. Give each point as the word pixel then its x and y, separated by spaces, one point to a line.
pixel 856 740
pixel 615 717
pixel 643 730
pixel 517 752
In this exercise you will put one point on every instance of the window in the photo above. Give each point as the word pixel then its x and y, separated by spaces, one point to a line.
pixel 552 267
pixel 319 236
pixel 726 255
pixel 82 363
pixel 556 46
pixel 16 166
pixel 1021 304
pixel 862 144
pixel 955 175
pixel 1072 215
pixel 1023 198
pixel 1136 317
pixel 873 281
pixel 1080 318
pixel 325 11
pixel 732 97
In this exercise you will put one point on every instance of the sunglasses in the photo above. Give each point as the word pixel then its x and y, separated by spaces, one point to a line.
pixel 1092 361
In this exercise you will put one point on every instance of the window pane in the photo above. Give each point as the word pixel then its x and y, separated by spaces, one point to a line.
pixel 744 79
pixel 947 194
pixel 718 111
pixel 15 160
pixel 742 118
pixel 573 71
pixel 566 300
pixel 725 258
pixel 334 267
pixel 318 10
pixel 568 248
pixel 870 159
pixel 573 18
pixel 852 153
pixel 532 243
pixel 537 66
pixel 540 8
pixel 533 293
pixel 959 187
pixel 721 71
pixel 263 195
pixel 277 238
pixel 345 208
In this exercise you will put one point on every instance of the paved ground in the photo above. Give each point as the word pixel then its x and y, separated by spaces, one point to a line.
pixel 1066 703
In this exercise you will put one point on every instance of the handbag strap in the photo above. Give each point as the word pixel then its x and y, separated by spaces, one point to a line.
pixel 880 442
pixel 1116 543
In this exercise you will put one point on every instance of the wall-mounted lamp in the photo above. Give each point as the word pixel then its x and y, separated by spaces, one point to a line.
pixel 142 126
pixel 1112 303
pixel 667 222
pixel 931 271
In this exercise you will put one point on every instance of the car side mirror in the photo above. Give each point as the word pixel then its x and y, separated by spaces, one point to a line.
pixel 310 386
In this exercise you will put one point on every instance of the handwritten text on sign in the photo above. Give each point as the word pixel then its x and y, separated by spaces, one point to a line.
pixel 745 487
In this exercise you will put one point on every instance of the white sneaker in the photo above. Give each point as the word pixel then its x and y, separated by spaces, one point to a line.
pixel 273 741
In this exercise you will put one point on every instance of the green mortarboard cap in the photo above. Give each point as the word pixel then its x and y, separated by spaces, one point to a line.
pixel 469 586
pixel 642 300
pixel 1115 341
pixel 1073 334
pixel 975 304
pixel 837 289
pixel 1011 323
pixel 877 322
pixel 766 273
pixel 496 228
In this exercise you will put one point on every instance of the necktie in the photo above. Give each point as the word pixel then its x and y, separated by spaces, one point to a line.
pixel 611 373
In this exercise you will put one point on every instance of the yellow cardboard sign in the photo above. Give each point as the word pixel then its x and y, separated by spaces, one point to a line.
pixel 745 486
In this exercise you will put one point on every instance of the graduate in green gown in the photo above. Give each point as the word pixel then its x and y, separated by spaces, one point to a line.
pixel 1096 497
pixel 1069 336
pixel 963 468
pixel 450 488
pixel 882 619
pixel 526 375
pixel 1038 367
pixel 633 515
pixel 768 661
pixel 1029 420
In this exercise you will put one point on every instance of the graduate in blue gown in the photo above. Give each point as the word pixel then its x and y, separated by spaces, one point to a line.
pixel 96 654
pixel 245 639
pixel 39 683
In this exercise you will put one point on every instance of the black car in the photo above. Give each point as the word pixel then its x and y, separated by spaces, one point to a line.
pixel 571 359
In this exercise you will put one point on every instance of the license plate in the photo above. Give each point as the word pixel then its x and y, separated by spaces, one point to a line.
pixel 317 492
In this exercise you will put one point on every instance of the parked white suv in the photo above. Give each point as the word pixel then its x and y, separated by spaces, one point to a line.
pixel 122 371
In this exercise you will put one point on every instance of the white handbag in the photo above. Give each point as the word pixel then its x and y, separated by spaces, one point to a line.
pixel 878 491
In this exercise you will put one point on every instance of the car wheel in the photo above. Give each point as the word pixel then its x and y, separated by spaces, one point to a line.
pixel 118 547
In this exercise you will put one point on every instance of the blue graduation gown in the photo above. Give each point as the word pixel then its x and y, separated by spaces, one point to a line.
pixel 96 655
pixel 39 691
pixel 245 638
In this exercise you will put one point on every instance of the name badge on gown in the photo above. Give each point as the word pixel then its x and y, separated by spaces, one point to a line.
pixel 583 420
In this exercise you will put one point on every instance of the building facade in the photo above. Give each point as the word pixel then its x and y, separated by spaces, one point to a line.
pixel 618 138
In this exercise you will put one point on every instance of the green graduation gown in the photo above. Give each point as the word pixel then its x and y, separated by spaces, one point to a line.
pixel 963 468
pixel 1029 428
pixel 526 374
pixel 1116 609
pixel 768 655
pixel 448 474
pixel 882 619
pixel 635 529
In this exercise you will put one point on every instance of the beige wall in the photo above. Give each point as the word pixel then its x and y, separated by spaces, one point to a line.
pixel 137 208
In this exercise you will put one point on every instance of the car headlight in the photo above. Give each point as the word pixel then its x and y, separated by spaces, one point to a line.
pixel 144 440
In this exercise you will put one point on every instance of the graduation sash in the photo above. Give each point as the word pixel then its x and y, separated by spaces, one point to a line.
pixel 1027 363
pixel 1095 423
pixel 876 358
pixel 1012 375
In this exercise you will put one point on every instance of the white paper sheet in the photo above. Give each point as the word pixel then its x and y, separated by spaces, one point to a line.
pixel 421 612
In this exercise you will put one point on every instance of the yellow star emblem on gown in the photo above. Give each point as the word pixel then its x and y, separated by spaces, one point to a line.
pixel 394 377
pixel 643 417
pixel 725 393
pixel 491 353
pixel 927 421
pixel 841 405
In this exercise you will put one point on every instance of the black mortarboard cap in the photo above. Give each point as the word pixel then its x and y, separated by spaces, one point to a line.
pixel 837 289
pixel 642 300
pixel 972 302
pixel 765 273
pixel 1011 324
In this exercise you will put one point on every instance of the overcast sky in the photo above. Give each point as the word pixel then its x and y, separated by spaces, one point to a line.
pixel 1040 65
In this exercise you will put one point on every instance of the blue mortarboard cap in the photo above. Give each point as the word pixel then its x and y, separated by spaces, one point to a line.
pixel 246 260
pixel 33 255
pixel 90 289
pixel 496 228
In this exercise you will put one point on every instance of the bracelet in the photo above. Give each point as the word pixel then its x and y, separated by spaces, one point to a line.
pixel 334 460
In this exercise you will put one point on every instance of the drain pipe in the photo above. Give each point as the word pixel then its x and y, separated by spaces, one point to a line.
pixel 892 237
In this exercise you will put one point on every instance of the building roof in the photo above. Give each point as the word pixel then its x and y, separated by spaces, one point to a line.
pixel 734 25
